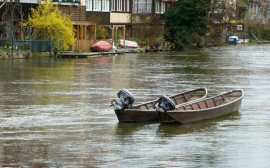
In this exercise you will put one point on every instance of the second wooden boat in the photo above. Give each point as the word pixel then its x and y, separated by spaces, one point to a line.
pixel 204 109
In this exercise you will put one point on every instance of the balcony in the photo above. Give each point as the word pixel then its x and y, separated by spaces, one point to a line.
pixel 66 2
pixel 22 1
pixel 30 1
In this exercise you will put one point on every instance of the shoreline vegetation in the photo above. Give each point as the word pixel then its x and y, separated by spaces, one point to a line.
pixel 8 53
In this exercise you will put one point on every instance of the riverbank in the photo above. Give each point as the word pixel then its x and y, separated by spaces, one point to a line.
pixel 98 54
pixel 15 54
pixel 67 54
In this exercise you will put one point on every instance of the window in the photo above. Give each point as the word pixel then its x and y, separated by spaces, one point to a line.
pixel 105 5
pixel 119 5
pixel 142 6
pixel 157 6
pixel 97 5
pixel 160 7
pixel 112 5
pixel 135 7
pixel 239 27
pixel 88 4
pixel 127 5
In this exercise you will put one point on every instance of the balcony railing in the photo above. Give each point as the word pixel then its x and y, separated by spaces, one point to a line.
pixel 66 2
pixel 9 0
pixel 30 1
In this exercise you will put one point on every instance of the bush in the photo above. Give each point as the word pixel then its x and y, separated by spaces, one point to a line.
pixel 159 40
pixel 144 43
pixel 101 32
pixel 25 46
pixel 266 34
pixel 6 43
pixel 135 39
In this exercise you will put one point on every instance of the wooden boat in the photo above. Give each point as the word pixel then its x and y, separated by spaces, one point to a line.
pixel 101 46
pixel 146 112
pixel 204 109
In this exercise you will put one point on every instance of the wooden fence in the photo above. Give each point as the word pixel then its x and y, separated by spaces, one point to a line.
pixel 82 45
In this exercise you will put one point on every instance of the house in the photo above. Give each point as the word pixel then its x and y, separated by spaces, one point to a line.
pixel 111 14
pixel 128 18
pixel 121 17
pixel 20 9
pixel 83 36
pixel 259 10
pixel 226 18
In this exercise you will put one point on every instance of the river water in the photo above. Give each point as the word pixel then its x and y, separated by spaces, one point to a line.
pixel 55 112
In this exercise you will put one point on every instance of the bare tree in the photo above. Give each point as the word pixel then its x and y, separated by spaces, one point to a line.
pixel 11 18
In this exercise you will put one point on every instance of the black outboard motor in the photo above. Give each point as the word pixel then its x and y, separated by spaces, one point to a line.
pixel 125 101
pixel 164 104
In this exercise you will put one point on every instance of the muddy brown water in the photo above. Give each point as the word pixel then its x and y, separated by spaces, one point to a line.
pixel 55 112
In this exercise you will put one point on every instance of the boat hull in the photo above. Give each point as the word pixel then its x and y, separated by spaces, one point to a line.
pixel 128 43
pixel 225 107
pixel 142 115
pixel 101 46
pixel 122 116
pixel 146 112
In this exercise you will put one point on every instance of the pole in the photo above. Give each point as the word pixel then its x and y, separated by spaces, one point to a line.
pixel 124 36
pixel 12 32
pixel 30 38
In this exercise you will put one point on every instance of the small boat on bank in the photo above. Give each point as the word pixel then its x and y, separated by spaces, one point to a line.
pixel 128 43
pixel 233 39
pixel 204 109
pixel 101 46
pixel 146 112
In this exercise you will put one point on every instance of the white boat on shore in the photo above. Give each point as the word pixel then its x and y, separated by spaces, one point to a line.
pixel 128 43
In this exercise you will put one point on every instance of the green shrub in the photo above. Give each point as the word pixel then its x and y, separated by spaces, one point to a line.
pixel 159 40
pixel 135 39
pixel 6 43
pixel 144 43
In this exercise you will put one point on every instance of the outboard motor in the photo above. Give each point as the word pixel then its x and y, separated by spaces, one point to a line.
pixel 164 104
pixel 125 101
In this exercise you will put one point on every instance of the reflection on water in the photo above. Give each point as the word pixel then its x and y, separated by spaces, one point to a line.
pixel 172 129
pixel 125 128
pixel 55 112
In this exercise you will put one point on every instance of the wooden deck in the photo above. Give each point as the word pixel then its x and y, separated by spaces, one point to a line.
pixel 97 54
pixel 153 50
pixel 87 54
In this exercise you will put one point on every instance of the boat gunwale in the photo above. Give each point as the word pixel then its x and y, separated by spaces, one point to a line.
pixel 207 109
pixel 205 95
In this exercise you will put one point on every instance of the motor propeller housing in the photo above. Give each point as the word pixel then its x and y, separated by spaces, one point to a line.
pixel 125 101
pixel 164 104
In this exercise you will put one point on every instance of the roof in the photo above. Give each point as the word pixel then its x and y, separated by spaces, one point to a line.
pixel 264 2
pixel 241 4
